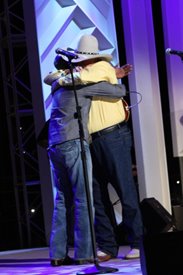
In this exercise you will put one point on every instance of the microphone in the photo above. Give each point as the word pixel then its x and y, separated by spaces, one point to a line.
pixel 170 51
pixel 69 55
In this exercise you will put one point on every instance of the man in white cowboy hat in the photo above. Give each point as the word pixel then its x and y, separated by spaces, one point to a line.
pixel 110 150
pixel 111 156
pixel 66 162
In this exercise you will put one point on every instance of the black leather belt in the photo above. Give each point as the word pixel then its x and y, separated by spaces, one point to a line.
pixel 107 130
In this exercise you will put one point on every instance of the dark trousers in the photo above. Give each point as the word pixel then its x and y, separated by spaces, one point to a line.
pixel 111 157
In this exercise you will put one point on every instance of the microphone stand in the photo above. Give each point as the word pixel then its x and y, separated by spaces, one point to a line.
pixel 96 269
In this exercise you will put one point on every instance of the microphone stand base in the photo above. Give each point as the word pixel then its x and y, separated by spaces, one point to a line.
pixel 97 269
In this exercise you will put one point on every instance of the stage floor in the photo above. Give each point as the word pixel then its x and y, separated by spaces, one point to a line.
pixel 36 261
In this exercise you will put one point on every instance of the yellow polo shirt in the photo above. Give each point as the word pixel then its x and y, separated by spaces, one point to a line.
pixel 104 112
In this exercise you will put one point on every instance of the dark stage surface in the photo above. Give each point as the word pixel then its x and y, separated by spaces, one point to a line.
pixel 36 261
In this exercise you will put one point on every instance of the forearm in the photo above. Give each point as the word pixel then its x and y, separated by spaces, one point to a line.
pixel 106 89
pixel 67 81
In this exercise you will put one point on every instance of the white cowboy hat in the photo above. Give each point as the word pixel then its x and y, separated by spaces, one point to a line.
pixel 88 48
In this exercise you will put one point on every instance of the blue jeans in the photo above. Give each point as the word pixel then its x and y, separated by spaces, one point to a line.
pixel 68 175
pixel 111 156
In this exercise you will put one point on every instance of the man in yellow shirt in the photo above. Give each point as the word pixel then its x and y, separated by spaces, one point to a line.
pixel 111 157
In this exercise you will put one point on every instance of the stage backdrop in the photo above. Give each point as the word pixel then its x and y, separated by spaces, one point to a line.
pixel 60 24
pixel 173 36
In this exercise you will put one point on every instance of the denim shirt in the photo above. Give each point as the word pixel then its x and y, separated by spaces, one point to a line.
pixel 63 125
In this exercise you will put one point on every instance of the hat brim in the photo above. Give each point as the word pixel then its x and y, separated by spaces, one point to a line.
pixel 83 57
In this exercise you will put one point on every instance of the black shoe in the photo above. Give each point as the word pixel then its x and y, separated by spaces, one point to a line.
pixel 65 261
